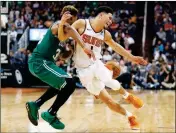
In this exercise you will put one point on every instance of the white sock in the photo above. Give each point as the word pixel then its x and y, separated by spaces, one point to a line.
pixel 126 94
pixel 128 114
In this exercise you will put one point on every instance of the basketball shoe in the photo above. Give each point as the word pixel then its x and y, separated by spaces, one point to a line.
pixel 137 102
pixel 52 120
pixel 133 123
pixel 32 110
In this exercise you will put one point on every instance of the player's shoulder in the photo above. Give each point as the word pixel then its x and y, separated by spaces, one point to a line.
pixel 80 22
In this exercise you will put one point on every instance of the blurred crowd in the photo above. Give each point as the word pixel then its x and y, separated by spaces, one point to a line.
pixel 160 72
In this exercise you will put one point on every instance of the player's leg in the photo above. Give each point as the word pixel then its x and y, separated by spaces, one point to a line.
pixel 33 106
pixel 107 99
pixel 115 85
pixel 106 78
pixel 51 74
pixel 136 101
pixel 50 93
pixel 61 98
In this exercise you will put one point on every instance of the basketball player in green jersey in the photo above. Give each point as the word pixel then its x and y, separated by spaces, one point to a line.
pixel 42 65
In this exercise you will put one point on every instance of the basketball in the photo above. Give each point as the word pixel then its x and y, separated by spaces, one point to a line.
pixel 113 66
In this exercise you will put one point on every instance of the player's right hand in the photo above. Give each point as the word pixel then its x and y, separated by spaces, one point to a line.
pixel 89 53
pixel 65 17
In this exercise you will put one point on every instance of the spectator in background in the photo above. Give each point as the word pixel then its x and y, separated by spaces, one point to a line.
pixel 131 28
pixel 174 17
pixel 124 15
pixel 164 71
pixel 160 46
pixel 12 14
pixel 28 8
pixel 169 35
pixel 167 18
pixel 116 57
pixel 13 37
pixel 116 17
pixel 152 80
pixel 158 22
pixel 169 81
pixel 40 24
pixel 158 8
pixel 17 12
pixel 12 59
pixel 161 34
pixel 113 28
pixel 123 26
pixel 10 24
pixel 174 33
pixel 119 38
pixel 161 57
pixel 35 5
pixel 106 56
pixel 167 50
pixel 123 67
pixel 20 56
pixel 128 41
pixel 168 25
pixel 20 25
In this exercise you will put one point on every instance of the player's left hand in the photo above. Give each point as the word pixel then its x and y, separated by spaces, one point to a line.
pixel 139 60
pixel 65 17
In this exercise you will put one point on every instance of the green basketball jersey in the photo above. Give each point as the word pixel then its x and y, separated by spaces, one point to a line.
pixel 47 47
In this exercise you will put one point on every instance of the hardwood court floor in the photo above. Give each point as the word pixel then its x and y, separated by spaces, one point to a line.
pixel 83 113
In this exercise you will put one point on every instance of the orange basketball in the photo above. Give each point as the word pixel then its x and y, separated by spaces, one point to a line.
pixel 113 66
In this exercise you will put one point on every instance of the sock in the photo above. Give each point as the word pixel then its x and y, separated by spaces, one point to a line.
pixel 126 95
pixel 51 92
pixel 128 114
pixel 62 96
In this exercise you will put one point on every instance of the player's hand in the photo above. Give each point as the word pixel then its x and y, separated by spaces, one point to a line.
pixel 65 17
pixel 139 60
pixel 89 53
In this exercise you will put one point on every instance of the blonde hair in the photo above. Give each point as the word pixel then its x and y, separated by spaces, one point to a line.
pixel 73 11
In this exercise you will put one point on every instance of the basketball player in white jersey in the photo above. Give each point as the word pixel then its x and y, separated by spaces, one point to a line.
pixel 92 73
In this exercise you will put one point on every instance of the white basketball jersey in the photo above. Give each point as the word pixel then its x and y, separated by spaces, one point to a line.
pixel 92 41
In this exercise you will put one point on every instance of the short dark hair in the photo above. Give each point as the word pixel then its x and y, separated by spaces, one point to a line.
pixel 73 11
pixel 105 9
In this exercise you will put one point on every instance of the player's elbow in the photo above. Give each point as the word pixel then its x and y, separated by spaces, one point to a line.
pixel 62 38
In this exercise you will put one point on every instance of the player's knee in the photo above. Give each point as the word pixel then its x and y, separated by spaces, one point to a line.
pixel 71 84
pixel 113 84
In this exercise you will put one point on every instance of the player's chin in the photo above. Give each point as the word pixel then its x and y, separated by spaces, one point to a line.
pixel 106 26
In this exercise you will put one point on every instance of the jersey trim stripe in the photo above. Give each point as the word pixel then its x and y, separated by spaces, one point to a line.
pixel 85 27
pixel 53 71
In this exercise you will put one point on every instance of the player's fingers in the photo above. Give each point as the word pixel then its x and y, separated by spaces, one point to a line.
pixel 67 12
pixel 67 16
pixel 144 62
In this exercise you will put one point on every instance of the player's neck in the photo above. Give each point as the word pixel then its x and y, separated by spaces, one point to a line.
pixel 97 27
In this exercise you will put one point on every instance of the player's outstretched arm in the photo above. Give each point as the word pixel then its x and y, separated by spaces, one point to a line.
pixel 120 50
